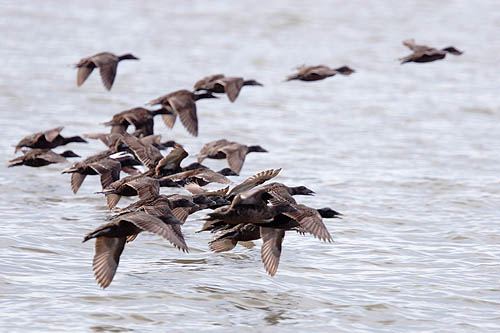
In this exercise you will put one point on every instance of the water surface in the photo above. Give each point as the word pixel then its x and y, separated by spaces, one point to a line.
pixel 408 153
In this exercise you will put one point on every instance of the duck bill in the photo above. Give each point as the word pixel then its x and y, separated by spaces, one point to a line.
pixel 69 170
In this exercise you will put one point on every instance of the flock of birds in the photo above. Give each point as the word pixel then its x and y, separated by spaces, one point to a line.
pixel 247 211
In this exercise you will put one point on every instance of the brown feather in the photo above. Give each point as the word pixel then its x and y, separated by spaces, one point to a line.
pixel 76 181
pixel 271 248
pixel 106 259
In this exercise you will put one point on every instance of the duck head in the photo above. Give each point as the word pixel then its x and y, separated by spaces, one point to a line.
pixel 128 56
pixel 69 153
pixel 206 94
pixel 182 203
pixel 256 149
pixel 328 213
pixel 301 190
pixel 252 83
pixel 227 172
pixel 452 50
pixel 203 200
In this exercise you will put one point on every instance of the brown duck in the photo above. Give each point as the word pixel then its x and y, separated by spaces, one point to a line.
pixel 201 176
pixel 141 118
pixel 228 238
pixel 152 158
pixel 199 202
pixel 218 83
pixel 315 73
pixel 273 233
pixel 424 53
pixel 105 164
pixel 107 63
pixel 161 199
pixel 47 140
pixel 114 141
pixel 182 103
pixel 253 181
pixel 215 225
pixel 252 206
pixel 234 152
pixel 304 219
pixel 143 186
pixel 111 237
pixel 41 157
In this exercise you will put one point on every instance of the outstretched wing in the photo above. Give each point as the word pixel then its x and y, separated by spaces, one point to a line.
pixel 271 248
pixel 84 72
pixel 76 181
pixel 51 134
pixel 106 258
pixel 255 180
pixel 235 154
pixel 146 187
pixel 107 69
pixel 232 86
pixel 310 221
pixel 185 107
pixel 159 226
pixel 148 154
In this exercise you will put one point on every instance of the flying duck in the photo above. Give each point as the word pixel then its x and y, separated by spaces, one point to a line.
pixel 424 53
pixel 107 63
pixel 315 73
pixel 111 237
pixel 141 118
pixel 47 140
pixel 106 164
pixel 182 103
pixel 234 152
pixel 41 157
pixel 218 83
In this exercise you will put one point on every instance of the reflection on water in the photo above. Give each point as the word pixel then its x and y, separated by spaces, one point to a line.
pixel 409 153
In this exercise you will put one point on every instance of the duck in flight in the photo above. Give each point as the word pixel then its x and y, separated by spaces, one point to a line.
pixel 107 63
pixel 182 103
pixel 315 73
pixel 220 84
pixel 424 53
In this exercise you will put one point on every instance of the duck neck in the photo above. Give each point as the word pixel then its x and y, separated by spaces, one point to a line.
pixel 251 83
pixel 169 183
pixel 194 165
pixel 254 149
pixel 74 139
pixel 127 56
pixel 68 153
pixel 202 96
pixel 160 111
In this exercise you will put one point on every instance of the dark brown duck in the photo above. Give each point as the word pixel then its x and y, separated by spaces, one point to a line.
pixel 183 104
pixel 315 73
pixel 305 219
pixel 142 185
pixel 41 157
pixel 424 53
pixel 152 158
pixel 141 118
pixel 47 140
pixel 234 152
pixel 107 64
pixel 112 237
pixel 218 83
pixel 106 164
pixel 252 206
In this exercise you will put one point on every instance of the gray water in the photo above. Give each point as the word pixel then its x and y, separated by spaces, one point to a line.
pixel 408 153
